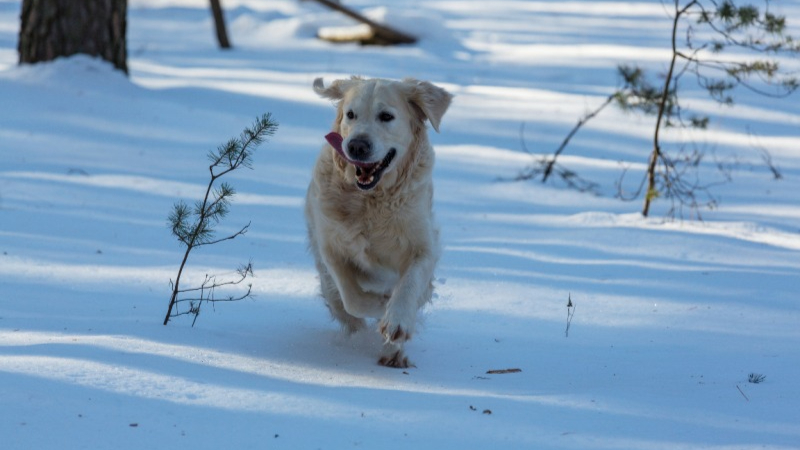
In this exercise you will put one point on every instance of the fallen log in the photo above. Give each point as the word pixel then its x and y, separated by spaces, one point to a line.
pixel 373 34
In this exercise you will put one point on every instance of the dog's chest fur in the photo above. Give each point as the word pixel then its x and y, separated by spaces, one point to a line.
pixel 383 231
pixel 378 224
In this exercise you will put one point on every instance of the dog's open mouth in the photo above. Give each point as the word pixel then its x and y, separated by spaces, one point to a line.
pixel 367 174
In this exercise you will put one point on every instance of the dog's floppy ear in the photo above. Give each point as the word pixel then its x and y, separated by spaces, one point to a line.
pixel 336 89
pixel 432 101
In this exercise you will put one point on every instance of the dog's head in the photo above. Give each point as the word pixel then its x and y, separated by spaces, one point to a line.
pixel 379 120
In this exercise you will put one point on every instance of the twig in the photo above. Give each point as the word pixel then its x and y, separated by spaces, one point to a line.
pixel 546 166
pixel 572 179
pixel 207 291
pixel 503 371
pixel 570 313
pixel 742 392
pixel 548 169
pixel 765 156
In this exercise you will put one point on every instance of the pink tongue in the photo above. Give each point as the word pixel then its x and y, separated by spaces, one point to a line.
pixel 335 139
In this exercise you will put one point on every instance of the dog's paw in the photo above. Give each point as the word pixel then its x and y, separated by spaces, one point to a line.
pixel 397 360
pixel 394 334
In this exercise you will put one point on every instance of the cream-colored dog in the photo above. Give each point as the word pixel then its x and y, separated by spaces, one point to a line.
pixel 369 206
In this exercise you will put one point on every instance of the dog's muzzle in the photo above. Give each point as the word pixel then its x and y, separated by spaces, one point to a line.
pixel 368 174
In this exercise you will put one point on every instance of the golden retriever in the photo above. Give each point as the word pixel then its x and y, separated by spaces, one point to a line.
pixel 369 206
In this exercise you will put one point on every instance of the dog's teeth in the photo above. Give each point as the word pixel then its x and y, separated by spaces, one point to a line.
pixel 368 181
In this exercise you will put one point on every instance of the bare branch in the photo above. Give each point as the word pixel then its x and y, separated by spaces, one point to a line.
pixel 589 116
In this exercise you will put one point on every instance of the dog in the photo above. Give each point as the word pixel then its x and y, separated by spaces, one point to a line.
pixel 369 206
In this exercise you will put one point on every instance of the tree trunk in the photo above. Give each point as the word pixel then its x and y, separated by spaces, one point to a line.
pixel 54 28
pixel 219 24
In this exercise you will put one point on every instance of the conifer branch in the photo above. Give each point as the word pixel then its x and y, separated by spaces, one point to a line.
pixel 194 227
pixel 674 177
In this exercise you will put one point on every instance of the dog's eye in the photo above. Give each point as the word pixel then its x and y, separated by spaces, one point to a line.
pixel 385 117
pixel 351 115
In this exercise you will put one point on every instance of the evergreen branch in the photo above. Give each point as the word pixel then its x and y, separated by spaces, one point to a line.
pixel 736 19
pixel 228 238
pixel 676 177
pixel 738 71
pixel 744 27
pixel 214 206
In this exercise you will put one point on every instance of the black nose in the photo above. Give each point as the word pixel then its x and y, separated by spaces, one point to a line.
pixel 359 148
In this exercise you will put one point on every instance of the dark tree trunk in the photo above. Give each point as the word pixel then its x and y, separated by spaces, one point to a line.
pixel 219 24
pixel 53 28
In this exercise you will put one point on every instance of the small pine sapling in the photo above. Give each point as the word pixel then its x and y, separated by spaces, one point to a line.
pixel 712 28
pixel 194 226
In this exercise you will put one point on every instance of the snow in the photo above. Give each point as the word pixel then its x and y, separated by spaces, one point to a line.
pixel 670 317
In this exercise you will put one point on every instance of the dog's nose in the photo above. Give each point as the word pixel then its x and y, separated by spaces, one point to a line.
pixel 359 148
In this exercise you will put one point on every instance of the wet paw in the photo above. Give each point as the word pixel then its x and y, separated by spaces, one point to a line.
pixel 397 360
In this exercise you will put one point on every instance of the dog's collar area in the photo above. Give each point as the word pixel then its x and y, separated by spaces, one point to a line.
pixel 367 174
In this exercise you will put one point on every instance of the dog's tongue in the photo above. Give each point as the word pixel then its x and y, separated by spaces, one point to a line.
pixel 365 172
pixel 335 139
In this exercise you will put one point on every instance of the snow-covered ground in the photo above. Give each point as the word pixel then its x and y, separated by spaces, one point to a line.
pixel 670 317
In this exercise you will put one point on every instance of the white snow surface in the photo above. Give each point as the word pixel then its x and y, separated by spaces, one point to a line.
pixel 670 317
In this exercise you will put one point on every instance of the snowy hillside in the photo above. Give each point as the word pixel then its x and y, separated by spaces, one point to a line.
pixel 670 317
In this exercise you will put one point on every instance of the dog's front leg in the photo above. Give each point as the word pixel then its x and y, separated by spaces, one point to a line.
pixel 357 302
pixel 413 290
